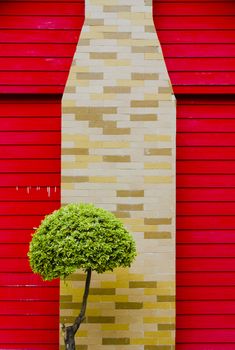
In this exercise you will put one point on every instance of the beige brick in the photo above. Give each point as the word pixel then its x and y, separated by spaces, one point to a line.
pixel 144 76
pixel 116 9
pixel 103 55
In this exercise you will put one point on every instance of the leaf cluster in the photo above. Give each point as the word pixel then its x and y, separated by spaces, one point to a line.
pixel 80 236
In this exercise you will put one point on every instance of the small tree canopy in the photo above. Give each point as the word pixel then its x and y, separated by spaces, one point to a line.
pixel 80 236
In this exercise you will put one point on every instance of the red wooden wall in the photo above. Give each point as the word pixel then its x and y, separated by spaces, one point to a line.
pixel 197 38
pixel 37 42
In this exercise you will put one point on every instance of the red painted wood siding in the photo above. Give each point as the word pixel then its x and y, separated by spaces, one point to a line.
pixel 29 169
pixel 205 223
pixel 197 39
pixel 37 43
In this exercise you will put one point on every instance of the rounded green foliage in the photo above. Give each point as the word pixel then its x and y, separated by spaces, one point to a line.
pixel 80 236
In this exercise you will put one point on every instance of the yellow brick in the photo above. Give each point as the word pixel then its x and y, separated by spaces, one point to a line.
pixel 116 63
pixel 78 69
pixel 144 341
pixel 164 334
pixel 159 319
pixel 93 312
pixel 121 271
pixel 153 56
pixel 118 284
pixel 165 291
pixel 66 186
pixel 150 334
pixel 167 341
pixel 77 137
pixel 130 221
pixel 104 2
pixel 102 29
pixel 157 166
pixel 159 305
pixel 150 291
pixel 168 285
pixel 69 103
pixel 96 144
pixel 118 298
pixel 114 298
pixel 136 277
pixel 115 327
pixel 157 179
pixel 103 179
pixel 92 35
pixel 93 159
pixel 82 333
pixel 82 82
pixel 143 42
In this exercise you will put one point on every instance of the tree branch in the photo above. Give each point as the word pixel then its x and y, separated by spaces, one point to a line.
pixel 70 331
pixel 81 315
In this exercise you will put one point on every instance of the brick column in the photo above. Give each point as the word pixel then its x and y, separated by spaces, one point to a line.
pixel 119 153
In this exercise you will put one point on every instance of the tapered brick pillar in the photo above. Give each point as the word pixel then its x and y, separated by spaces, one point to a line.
pixel 119 153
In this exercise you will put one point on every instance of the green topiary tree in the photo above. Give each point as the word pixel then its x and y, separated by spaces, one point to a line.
pixel 79 236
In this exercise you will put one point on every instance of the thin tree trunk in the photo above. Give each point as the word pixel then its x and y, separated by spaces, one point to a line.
pixel 70 331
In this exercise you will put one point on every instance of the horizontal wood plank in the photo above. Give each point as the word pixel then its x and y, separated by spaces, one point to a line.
pixel 192 8
pixel 30 185
pixel 30 151
pixel 205 153
pixel 46 36
pixel 25 293
pixel 38 8
pixel 195 22
pixel 207 279
pixel 205 321
pixel 204 208
pixel 30 280
pixel 41 22
pixel 29 322
pixel 206 249
pixel 47 188
pixel 206 335
pixel 205 236
pixel 207 264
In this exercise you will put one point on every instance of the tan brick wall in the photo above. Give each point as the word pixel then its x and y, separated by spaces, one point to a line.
pixel 119 153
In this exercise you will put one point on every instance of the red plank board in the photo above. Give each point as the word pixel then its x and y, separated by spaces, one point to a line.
pixel 29 189
pixel 41 8
pixel 28 322
pixel 205 236
pixel 205 321
pixel 208 264
pixel 205 223
pixel 197 39
pixel 193 8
